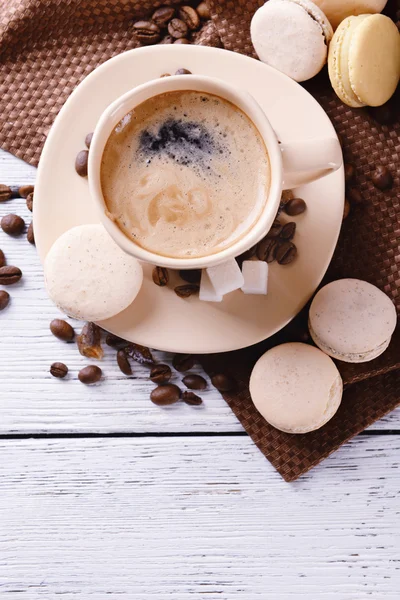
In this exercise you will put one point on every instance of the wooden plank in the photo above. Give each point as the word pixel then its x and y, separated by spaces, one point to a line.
pixel 196 518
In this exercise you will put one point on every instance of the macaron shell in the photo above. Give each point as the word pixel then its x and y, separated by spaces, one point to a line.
pixel 374 60
pixel 318 15
pixel 338 10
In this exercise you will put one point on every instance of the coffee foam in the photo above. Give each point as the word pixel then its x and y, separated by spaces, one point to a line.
pixel 185 174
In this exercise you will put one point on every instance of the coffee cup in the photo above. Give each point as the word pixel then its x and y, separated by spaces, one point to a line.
pixel 290 165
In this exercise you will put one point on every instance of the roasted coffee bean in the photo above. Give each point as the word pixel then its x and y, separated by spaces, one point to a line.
pixel 81 163
pixel 167 39
pixel 191 275
pixel 2 259
pixel 4 299
pixel 163 15
pixel 123 362
pixel 346 209
pixel 25 190
pixel 178 28
pixel 163 395
pixel 191 399
pixel 147 32
pixel 10 275
pixel 5 192
pixel 160 374
pixel 90 374
pixel 275 230
pixel 266 249
pixel 288 231
pixel 286 253
pixel 189 16
pixel 182 41
pixel 183 362
pixel 223 383
pixel 140 354
pixel 30 236
pixel 246 255
pixel 62 330
pixel 59 370
pixel 184 291
pixel 194 382
pixel 354 196
pixel 88 139
pixel 382 178
pixel 12 224
pixel 203 11
pixel 89 341
pixel 116 342
pixel 165 75
pixel 384 115
pixel 295 207
pixel 29 201
pixel 349 172
pixel 183 72
pixel 160 276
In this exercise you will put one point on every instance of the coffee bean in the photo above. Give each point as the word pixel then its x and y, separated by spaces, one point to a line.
pixel 354 196
pixel 191 275
pixel 89 341
pixel 29 201
pixel 295 207
pixel 160 374
pixel 191 399
pixel 12 224
pixel 346 209
pixel 59 370
pixel 163 15
pixel 147 32
pixel 123 363
pixel 4 299
pixel 183 362
pixel 81 163
pixel 167 39
pixel 286 253
pixel 177 28
pixel 160 276
pixel 195 382
pixel 223 383
pixel 30 236
pixel 275 230
pixel 5 192
pixel 10 275
pixel 184 291
pixel 349 172
pixel 165 75
pixel 382 178
pixel 90 374
pixel 2 259
pixel 288 231
pixel 190 16
pixel 384 115
pixel 203 11
pixel 62 330
pixel 182 41
pixel 163 395
pixel 183 72
pixel 140 354
pixel 88 139
pixel 116 342
pixel 25 190
pixel 266 249
pixel 246 256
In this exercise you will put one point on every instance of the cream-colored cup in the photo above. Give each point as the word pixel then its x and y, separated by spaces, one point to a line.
pixel 292 164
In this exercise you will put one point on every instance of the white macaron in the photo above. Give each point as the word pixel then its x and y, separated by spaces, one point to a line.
pixel 88 276
pixel 296 387
pixel 292 36
pixel 352 320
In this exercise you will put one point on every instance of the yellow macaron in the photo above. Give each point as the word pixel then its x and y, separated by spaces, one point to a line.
pixel 364 60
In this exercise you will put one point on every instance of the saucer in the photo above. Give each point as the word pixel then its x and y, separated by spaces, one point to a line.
pixel 158 318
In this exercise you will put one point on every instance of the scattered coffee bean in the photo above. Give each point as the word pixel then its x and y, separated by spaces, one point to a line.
pixel 30 236
pixel 189 16
pixel 182 41
pixel 12 224
pixel 81 163
pixel 116 342
pixel 88 139
pixel 147 32
pixel 266 249
pixel 349 172
pixel 183 72
pixel 167 39
pixel 183 362
pixel 4 299
pixel 246 255
pixel 89 341
pixel 10 275
pixel 59 370
pixel 195 382
pixel 160 276
pixel 123 363
pixel 288 231
pixel 160 374
pixel 165 75
pixel 90 374
pixel 5 192
pixel 25 190
pixel 295 207
pixel 203 10
pixel 187 290
pixel 354 196
pixel 62 330
pixel 163 15
pixel 384 115
pixel 2 259
pixel 382 178
pixel 346 209
pixel 286 253
pixel 191 398
pixel 223 383
pixel 275 230
pixel 29 201
pixel 140 354
pixel 177 28
pixel 191 275
pixel 163 395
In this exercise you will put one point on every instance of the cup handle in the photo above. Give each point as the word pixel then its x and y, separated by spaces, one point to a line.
pixel 307 161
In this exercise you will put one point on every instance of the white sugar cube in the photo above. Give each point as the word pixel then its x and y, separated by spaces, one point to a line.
pixel 255 273
pixel 226 277
pixel 207 292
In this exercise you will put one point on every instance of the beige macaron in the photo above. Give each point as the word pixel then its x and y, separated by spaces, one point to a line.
pixel 296 387
pixel 338 10
pixel 364 60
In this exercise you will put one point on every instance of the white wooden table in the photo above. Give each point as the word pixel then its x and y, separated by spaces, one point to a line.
pixel 102 492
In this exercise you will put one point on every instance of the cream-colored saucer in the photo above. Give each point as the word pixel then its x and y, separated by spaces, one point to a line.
pixel 158 318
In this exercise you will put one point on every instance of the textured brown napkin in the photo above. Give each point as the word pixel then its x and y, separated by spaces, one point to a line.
pixel 48 46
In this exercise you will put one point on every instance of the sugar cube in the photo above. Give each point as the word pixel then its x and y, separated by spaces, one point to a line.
pixel 207 292
pixel 255 274
pixel 226 277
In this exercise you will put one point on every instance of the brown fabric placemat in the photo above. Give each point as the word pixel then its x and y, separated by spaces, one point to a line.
pixel 48 46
